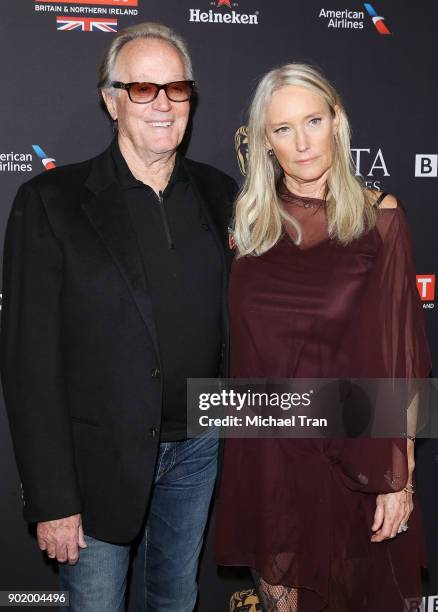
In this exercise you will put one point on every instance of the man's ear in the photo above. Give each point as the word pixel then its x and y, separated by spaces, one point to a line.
pixel 110 104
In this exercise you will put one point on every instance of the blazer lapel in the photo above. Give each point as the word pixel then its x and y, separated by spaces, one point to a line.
pixel 110 218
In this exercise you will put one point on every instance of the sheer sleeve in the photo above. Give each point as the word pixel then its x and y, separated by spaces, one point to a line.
pixel 405 349
pixel 391 336
pixel 404 344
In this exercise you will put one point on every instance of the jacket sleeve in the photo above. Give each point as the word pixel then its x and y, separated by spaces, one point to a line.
pixel 31 361
pixel 233 191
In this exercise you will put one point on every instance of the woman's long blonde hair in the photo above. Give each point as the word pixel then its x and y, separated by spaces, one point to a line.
pixel 259 218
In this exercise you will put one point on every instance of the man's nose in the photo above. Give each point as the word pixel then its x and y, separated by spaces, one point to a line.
pixel 162 102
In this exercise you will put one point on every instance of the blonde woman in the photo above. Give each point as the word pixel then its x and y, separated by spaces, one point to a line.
pixel 323 285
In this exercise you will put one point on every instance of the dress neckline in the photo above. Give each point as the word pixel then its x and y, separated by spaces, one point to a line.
pixel 289 197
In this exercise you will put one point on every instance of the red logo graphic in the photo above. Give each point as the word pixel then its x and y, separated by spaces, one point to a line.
pixel 48 162
pixel 224 3
pixel 106 2
pixel 378 20
pixel 426 287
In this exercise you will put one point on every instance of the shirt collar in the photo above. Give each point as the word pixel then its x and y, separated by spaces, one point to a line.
pixel 128 181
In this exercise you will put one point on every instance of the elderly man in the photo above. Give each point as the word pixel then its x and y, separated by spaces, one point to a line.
pixel 114 294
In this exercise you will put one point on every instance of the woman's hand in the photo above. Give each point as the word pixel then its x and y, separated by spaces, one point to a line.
pixel 392 511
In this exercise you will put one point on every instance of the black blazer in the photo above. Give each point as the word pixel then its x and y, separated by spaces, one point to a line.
pixel 79 350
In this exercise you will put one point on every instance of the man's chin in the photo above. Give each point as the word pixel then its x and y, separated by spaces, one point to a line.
pixel 162 145
pixel 164 148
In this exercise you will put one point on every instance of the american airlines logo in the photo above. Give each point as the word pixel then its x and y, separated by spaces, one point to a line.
pixel 48 162
pixel 378 20
pixel 346 19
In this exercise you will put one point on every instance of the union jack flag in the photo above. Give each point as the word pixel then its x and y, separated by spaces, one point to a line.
pixel 86 24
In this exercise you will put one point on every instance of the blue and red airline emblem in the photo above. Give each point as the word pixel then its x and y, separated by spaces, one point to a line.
pixel 48 162
pixel 378 21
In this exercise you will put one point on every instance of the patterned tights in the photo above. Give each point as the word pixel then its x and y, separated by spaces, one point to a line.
pixel 275 598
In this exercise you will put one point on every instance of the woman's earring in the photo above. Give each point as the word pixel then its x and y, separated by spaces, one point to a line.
pixel 270 152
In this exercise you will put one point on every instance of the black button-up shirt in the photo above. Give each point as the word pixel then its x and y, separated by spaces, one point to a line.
pixel 183 270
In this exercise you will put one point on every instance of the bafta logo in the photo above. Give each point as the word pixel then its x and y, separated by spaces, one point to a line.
pixel 245 601
pixel 241 145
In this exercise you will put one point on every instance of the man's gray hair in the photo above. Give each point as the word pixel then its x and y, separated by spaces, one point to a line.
pixel 150 30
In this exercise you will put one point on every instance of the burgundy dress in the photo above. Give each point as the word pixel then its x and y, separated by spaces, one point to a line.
pixel 300 511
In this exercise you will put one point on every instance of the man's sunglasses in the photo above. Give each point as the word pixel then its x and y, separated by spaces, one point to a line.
pixel 142 93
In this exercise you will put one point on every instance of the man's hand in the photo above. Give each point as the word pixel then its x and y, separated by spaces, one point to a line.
pixel 62 538
pixel 392 510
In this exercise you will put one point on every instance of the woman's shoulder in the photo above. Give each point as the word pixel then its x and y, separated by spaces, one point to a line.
pixel 391 220
pixel 383 200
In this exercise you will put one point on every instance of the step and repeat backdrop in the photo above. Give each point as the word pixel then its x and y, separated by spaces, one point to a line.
pixel 382 58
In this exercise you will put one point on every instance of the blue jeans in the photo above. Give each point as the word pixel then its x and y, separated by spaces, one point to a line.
pixel 169 550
